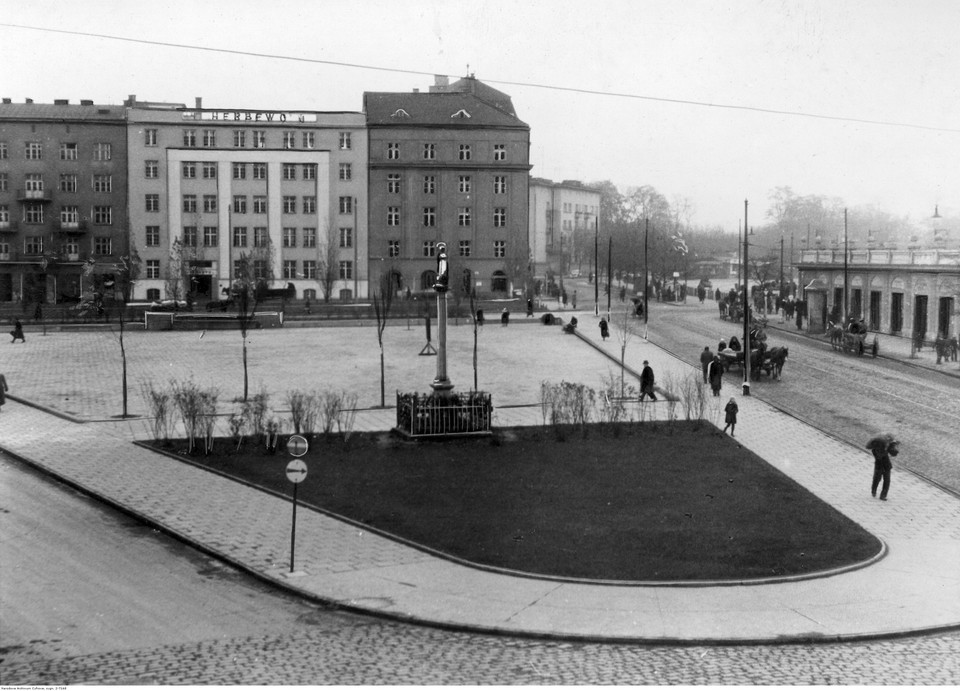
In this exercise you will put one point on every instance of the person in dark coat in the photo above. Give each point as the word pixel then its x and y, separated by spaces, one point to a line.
pixel 17 332
pixel 734 344
pixel 529 307
pixel 706 357
pixel 3 390
pixel 883 447
pixel 646 382
pixel 505 317
pixel 604 329
pixel 731 410
pixel 715 375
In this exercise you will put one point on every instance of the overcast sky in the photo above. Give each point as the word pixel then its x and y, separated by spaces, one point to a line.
pixel 884 61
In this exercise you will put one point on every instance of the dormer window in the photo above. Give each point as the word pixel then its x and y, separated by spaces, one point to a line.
pixel 400 113
pixel 461 114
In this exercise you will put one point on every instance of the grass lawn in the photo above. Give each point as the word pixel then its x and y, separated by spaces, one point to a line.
pixel 644 502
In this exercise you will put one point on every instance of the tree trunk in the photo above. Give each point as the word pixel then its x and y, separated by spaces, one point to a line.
pixel 245 376
pixel 383 390
pixel 123 357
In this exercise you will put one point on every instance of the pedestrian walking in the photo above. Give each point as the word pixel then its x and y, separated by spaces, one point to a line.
pixel 529 307
pixel 604 329
pixel 706 357
pixel 3 390
pixel 715 375
pixel 646 382
pixel 17 332
pixel 883 447
pixel 504 317
pixel 731 410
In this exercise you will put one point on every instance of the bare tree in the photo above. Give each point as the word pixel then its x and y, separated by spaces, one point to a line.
pixel 177 278
pixel 624 334
pixel 328 264
pixel 382 300
pixel 126 272
pixel 248 275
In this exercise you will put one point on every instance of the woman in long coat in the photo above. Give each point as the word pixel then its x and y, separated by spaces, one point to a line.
pixel 715 375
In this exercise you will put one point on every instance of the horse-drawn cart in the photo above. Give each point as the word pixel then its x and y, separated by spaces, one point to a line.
pixel 853 341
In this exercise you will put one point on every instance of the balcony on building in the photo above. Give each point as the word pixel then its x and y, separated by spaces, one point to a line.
pixel 8 226
pixel 25 195
pixel 73 227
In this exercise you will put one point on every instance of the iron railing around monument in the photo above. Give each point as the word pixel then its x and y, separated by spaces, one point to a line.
pixel 446 415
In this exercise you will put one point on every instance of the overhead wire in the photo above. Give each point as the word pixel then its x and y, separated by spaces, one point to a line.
pixel 530 85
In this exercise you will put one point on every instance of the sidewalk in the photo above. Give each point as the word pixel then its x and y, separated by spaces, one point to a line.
pixel 915 587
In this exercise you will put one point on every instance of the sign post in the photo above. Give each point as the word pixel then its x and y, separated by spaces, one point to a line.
pixel 296 473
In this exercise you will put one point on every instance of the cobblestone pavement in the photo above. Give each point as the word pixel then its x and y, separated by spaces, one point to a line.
pixel 338 649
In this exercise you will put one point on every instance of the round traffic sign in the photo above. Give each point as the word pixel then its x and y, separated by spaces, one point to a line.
pixel 296 471
pixel 297 445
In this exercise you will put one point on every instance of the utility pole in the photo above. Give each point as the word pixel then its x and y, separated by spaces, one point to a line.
pixel 746 305
pixel 846 314
pixel 609 273
pixel 596 273
pixel 646 307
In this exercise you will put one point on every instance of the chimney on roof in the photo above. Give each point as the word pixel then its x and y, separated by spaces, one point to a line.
pixel 199 102
pixel 29 100
pixel 86 102
pixel 416 91
pixel 8 100
pixel 61 101
pixel 441 84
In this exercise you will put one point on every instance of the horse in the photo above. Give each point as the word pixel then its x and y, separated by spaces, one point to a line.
pixel 835 331
pixel 777 357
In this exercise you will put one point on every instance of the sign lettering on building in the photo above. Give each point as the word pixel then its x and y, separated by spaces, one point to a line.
pixel 249 116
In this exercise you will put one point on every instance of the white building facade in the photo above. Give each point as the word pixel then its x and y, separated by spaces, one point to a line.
pixel 563 218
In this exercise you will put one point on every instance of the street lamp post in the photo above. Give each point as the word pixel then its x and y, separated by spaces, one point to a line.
pixel 442 384
pixel 746 305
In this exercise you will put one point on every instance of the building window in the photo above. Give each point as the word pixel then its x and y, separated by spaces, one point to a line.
pixel 69 215
pixel 190 236
pixel 346 205
pixel 463 184
pixel 68 182
pixel 345 141
pixel 310 269
pixel 150 137
pixel 259 269
pixel 153 294
pixel 393 215
pixel 153 268
pixel 33 182
pixel 430 216
pixel 152 236
pixel 102 245
pixel 289 237
pixel 465 152
pixel 499 184
pixel 3 151
pixel 499 249
pixel 393 151
pixel 103 183
pixel 239 139
pixel 429 184
pixel 259 171
pixel 209 203
pixel 210 236
pixel 346 237
pixel 68 151
pixel 189 169
pixel 190 203
pixel 463 216
pixel 209 138
pixel 464 248
pixel 209 170
pixel 4 184
pixel 259 139
pixel 309 237
pixel 289 140
pixel 289 204
pixel 239 203
pixel 239 171
pixel 4 214
pixel 309 140
pixel 393 248
pixel 259 204
pixel 499 217
pixel 239 236
pixel 429 248
pixel 103 215
pixel 152 203
pixel 190 138
pixel 289 268
pixel 346 172
pixel 346 270
pixel 33 213
pixel 309 171
pixel 896 312
pixel 151 170
pixel 33 244
pixel 289 171
pixel 429 152
pixel 260 237
pixel 393 183
pixel 499 152
pixel 33 151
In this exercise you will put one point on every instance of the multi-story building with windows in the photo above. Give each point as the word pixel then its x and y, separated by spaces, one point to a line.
pixel 284 192
pixel 452 166
pixel 63 199
pixel 563 218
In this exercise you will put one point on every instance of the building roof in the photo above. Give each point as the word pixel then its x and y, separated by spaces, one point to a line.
pixel 88 111
pixel 442 108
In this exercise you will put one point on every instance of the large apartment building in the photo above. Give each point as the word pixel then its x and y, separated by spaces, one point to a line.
pixel 563 223
pixel 63 199
pixel 450 165
pixel 211 189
